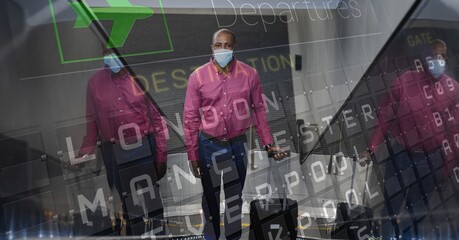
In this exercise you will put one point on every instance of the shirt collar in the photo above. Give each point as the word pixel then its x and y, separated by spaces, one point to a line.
pixel 117 78
pixel 231 67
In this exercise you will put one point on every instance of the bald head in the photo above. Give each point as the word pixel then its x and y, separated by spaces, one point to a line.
pixel 223 31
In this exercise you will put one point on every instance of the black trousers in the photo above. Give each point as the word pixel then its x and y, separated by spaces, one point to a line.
pixel 227 159
pixel 116 161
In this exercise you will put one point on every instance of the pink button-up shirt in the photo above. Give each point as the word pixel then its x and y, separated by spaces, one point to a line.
pixel 426 114
pixel 220 105
pixel 118 108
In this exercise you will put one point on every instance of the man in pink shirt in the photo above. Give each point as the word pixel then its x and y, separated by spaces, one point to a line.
pixel 129 127
pixel 223 99
pixel 422 115
pixel 425 106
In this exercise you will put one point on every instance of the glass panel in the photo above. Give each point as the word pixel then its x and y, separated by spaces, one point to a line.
pixel 144 118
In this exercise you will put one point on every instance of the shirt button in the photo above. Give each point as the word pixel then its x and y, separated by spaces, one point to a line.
pixel 224 129
pixel 119 99
pixel 121 110
pixel 224 105
pixel 224 93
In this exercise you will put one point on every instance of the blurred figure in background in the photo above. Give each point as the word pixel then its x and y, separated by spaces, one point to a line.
pixel 124 120
pixel 421 113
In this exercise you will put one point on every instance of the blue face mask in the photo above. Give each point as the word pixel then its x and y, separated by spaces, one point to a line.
pixel 436 67
pixel 113 62
pixel 223 56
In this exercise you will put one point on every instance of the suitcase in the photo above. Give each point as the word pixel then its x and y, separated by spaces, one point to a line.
pixel 274 218
pixel 273 222
pixel 353 222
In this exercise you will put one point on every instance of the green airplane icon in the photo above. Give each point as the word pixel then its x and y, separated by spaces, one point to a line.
pixel 121 12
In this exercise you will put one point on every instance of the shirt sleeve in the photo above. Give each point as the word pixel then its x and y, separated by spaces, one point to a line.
pixel 92 132
pixel 161 132
pixel 261 123
pixel 191 117
pixel 384 108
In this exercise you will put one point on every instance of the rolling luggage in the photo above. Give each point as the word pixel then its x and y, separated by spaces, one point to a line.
pixel 274 218
pixel 355 221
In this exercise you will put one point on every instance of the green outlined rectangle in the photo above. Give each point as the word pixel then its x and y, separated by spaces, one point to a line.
pixel 61 52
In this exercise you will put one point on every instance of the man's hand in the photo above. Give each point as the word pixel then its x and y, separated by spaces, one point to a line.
pixel 195 169
pixel 367 155
pixel 277 153
pixel 77 167
pixel 161 168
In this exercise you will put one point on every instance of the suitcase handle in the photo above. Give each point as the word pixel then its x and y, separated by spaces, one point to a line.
pixel 275 172
pixel 272 153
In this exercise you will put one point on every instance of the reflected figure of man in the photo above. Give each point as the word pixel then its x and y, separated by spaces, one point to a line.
pixel 425 105
pixel 128 125
pixel 223 99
